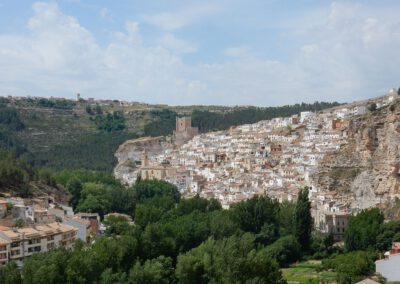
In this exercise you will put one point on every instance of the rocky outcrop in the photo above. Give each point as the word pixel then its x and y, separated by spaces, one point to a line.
pixel 129 156
pixel 366 170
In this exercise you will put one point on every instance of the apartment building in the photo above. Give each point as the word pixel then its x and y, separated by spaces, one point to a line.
pixel 19 243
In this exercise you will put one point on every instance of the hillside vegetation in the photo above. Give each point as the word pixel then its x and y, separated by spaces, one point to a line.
pixel 175 240
pixel 46 131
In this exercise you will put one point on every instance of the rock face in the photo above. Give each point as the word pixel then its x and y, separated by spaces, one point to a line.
pixel 129 156
pixel 366 170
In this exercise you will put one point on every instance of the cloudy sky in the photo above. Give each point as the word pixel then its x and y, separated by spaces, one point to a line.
pixel 225 52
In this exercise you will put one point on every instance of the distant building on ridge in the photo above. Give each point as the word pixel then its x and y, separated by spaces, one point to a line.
pixel 184 130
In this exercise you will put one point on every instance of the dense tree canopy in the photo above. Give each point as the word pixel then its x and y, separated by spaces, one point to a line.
pixel 233 260
pixel 363 229
pixel 176 240
pixel 303 222
pixel 111 122
pixel 163 121
pixel 173 240
pixel 352 267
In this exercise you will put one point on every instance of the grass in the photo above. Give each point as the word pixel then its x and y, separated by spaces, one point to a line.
pixel 344 173
pixel 307 272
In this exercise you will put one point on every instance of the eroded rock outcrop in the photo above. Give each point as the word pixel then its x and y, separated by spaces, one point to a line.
pixel 129 156
pixel 366 170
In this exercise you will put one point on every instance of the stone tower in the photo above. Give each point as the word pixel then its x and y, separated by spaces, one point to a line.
pixel 145 158
pixel 183 124
pixel 184 130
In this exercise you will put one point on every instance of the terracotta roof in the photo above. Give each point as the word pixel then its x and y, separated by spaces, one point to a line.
pixel 4 241
pixel 396 245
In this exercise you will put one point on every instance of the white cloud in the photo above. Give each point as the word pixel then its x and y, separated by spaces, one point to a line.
pixel 178 19
pixel 105 14
pixel 175 44
pixel 237 51
pixel 352 54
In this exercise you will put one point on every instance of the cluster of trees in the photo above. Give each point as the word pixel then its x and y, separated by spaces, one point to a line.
pixel 163 121
pixel 367 231
pixel 372 107
pixel 177 240
pixel 4 101
pixel 111 122
pixel 352 267
pixel 209 121
pixel 94 110
pixel 162 124
pixel 173 240
pixel 366 237
pixel 51 103
pixel 15 173
pixel 94 151
pixel 10 125
pixel 10 119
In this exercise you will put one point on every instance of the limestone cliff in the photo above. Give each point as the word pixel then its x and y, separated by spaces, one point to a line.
pixel 366 170
pixel 129 156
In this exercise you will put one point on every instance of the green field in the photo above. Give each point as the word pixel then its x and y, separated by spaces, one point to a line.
pixel 307 272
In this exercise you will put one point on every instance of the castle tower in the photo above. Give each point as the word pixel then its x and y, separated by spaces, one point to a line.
pixel 183 123
pixel 184 130
pixel 145 158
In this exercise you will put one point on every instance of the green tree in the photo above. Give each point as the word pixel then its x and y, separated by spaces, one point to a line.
pixel 147 189
pixel 117 225
pixel 363 229
pixel 286 213
pixel 153 271
pixel 285 251
pixel 92 204
pixel 111 122
pixel 232 260
pixel 9 274
pixel 99 111
pixel 89 110
pixel 389 233
pixel 302 220
pixel 352 267
pixel 372 107
pixel 109 277
pixel 74 186
pixel 46 268
pixel 252 214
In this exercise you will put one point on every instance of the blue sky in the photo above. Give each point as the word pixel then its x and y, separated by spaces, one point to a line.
pixel 227 52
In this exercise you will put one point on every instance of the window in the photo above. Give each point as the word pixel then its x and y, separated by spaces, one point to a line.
pixel 34 249
pixel 33 241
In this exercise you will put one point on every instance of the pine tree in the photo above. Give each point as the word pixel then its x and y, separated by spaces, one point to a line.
pixel 303 220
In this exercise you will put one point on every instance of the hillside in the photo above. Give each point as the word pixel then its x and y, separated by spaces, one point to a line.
pixel 57 128
pixel 366 170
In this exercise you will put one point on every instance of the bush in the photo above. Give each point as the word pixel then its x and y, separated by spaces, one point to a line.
pixel 372 107
pixel 352 267
pixel 285 251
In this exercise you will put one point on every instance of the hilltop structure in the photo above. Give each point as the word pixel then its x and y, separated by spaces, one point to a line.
pixel 184 130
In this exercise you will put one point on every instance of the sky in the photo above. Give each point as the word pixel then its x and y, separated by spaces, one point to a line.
pixel 209 52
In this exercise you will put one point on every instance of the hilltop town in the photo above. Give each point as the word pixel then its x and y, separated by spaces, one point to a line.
pixel 330 152
pixel 274 157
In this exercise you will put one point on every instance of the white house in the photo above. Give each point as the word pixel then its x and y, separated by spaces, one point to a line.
pixel 389 266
